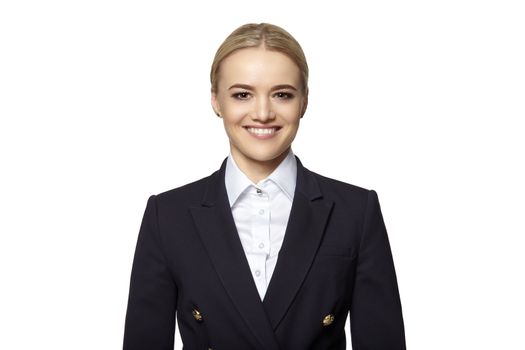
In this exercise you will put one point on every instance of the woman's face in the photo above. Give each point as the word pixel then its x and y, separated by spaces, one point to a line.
pixel 260 99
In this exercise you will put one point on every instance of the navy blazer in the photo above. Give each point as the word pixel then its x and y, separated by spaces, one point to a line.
pixel 335 259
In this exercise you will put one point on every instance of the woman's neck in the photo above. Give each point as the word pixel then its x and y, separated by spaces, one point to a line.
pixel 257 170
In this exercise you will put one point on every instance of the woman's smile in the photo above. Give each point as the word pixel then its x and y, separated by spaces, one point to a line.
pixel 262 133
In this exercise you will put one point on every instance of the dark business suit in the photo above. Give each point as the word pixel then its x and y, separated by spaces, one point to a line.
pixel 335 258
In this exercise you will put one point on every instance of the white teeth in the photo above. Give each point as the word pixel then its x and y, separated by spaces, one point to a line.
pixel 265 131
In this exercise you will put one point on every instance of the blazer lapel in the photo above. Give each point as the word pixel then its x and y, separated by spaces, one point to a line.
pixel 306 225
pixel 216 227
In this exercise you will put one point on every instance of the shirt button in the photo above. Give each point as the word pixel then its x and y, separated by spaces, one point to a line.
pixel 261 245
pixel 257 273
pixel 259 191
pixel 261 212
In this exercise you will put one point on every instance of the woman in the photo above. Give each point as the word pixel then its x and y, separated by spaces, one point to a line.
pixel 263 253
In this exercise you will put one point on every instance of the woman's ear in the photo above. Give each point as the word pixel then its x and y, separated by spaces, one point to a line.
pixel 215 104
pixel 305 103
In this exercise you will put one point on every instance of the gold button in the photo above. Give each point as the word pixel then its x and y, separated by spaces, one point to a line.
pixel 328 319
pixel 196 315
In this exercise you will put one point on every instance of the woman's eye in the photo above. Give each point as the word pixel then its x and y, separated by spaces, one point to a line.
pixel 283 95
pixel 241 95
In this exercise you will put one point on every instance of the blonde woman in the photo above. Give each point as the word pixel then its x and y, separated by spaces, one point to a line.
pixel 263 253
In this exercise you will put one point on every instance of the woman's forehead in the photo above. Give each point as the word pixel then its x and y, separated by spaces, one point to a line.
pixel 258 65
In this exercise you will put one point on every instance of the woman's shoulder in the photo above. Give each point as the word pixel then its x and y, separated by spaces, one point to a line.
pixel 339 184
pixel 188 194
pixel 342 192
pixel 333 184
pixel 329 185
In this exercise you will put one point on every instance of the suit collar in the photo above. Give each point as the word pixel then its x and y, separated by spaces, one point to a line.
pixel 305 183
pixel 216 227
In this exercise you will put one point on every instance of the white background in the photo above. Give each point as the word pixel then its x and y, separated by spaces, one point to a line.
pixel 103 103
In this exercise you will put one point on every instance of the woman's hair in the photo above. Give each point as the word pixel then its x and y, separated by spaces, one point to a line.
pixel 269 36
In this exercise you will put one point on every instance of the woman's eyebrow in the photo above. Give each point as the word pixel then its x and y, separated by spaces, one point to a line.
pixel 284 87
pixel 276 87
pixel 241 86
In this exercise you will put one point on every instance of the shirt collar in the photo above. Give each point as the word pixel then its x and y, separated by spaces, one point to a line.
pixel 284 176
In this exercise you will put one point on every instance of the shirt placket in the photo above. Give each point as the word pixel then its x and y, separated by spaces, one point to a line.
pixel 260 236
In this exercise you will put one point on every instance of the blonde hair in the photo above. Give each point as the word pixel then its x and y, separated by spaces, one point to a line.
pixel 271 37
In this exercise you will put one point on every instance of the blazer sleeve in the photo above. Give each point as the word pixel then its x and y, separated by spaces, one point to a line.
pixel 150 316
pixel 375 313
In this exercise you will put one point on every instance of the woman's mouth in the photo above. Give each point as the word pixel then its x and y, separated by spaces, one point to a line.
pixel 262 133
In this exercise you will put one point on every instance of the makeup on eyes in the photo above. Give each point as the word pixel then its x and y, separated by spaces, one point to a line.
pixel 244 95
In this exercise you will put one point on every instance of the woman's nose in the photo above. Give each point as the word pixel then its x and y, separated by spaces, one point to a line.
pixel 263 110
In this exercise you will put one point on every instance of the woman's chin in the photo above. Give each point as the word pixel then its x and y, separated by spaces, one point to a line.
pixel 266 157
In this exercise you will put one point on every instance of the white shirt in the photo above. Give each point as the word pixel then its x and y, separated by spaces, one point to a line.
pixel 261 213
